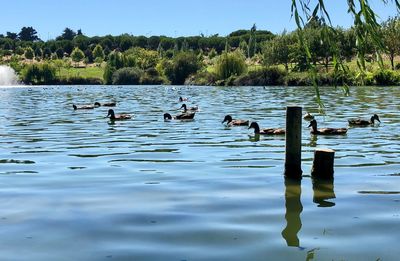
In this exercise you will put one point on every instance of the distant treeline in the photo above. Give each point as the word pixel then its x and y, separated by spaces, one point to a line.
pixel 244 57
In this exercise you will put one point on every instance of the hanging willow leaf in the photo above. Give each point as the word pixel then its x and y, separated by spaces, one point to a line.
pixel 365 25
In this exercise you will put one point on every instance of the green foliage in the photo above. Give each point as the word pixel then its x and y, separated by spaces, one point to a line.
pixel 28 34
pixel 20 51
pixel 263 77
pixel 230 64
pixel 127 76
pixel 68 34
pixel 39 74
pixel 142 58
pixel 391 36
pixel 60 53
pixel 182 65
pixel 29 53
pixel 98 53
pixel 386 77
pixel 108 73
pixel 77 55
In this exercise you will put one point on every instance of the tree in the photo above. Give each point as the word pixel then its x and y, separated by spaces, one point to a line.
pixel 230 64
pixel 38 52
pixel 77 55
pixel 12 36
pixel 183 65
pixel 127 76
pixel 46 53
pixel 98 53
pixel 68 34
pixel 391 36
pixel 28 34
pixel 278 51
pixel 29 53
pixel 60 53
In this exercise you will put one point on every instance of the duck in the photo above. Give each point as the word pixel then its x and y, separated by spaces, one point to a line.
pixel 183 116
pixel 325 131
pixel 270 131
pixel 185 108
pixel 308 116
pixel 231 122
pixel 181 99
pixel 117 117
pixel 107 104
pixel 83 107
pixel 364 122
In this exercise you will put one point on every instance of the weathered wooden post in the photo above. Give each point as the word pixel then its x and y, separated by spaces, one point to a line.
pixel 293 142
pixel 323 164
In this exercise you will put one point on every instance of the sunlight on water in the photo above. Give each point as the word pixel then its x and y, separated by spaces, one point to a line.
pixel 75 186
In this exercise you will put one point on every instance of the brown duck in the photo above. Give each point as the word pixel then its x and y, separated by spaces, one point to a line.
pixel 325 131
pixel 270 131
pixel 364 122
pixel 185 108
pixel 107 104
pixel 183 116
pixel 117 117
pixel 231 122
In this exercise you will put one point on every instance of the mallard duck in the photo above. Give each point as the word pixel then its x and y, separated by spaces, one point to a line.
pixel 231 122
pixel 364 122
pixel 181 99
pixel 308 116
pixel 83 107
pixel 117 117
pixel 270 131
pixel 107 104
pixel 183 116
pixel 325 131
pixel 185 108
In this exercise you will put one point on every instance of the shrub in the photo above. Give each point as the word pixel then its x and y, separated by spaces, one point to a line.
pixel 39 74
pixel 204 78
pixel 127 76
pixel 386 77
pixel 152 77
pixel 182 65
pixel 265 76
pixel 230 64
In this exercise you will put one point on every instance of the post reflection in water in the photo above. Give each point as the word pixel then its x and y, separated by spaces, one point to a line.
pixel 323 190
pixel 293 210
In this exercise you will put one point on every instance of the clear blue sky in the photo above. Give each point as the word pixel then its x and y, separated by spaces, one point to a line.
pixel 161 17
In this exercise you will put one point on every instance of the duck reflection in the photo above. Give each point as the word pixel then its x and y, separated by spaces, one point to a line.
pixel 323 190
pixel 293 210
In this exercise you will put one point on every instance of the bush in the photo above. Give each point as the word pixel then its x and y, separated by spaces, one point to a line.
pixel 263 77
pixel 386 77
pixel 182 65
pixel 127 76
pixel 39 74
pixel 152 77
pixel 230 64
pixel 202 78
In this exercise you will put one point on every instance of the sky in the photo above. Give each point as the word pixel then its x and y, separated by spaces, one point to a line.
pixel 162 17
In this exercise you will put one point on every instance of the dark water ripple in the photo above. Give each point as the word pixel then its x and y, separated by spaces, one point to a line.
pixel 76 186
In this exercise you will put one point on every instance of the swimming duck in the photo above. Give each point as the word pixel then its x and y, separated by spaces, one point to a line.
pixel 107 104
pixel 117 117
pixel 231 122
pixel 181 99
pixel 325 131
pixel 270 131
pixel 183 116
pixel 83 107
pixel 363 122
pixel 308 116
pixel 185 108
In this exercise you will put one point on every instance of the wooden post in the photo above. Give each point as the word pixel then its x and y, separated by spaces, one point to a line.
pixel 293 142
pixel 323 164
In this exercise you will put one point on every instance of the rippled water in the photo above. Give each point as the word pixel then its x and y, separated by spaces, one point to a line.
pixel 74 186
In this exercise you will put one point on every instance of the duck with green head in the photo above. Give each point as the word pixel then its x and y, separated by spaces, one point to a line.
pixel 231 122
pixel 325 131
pixel 364 122
pixel 270 131
pixel 117 117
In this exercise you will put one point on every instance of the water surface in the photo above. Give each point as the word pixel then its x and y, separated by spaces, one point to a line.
pixel 75 186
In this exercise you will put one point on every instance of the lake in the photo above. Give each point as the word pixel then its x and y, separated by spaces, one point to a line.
pixel 75 186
